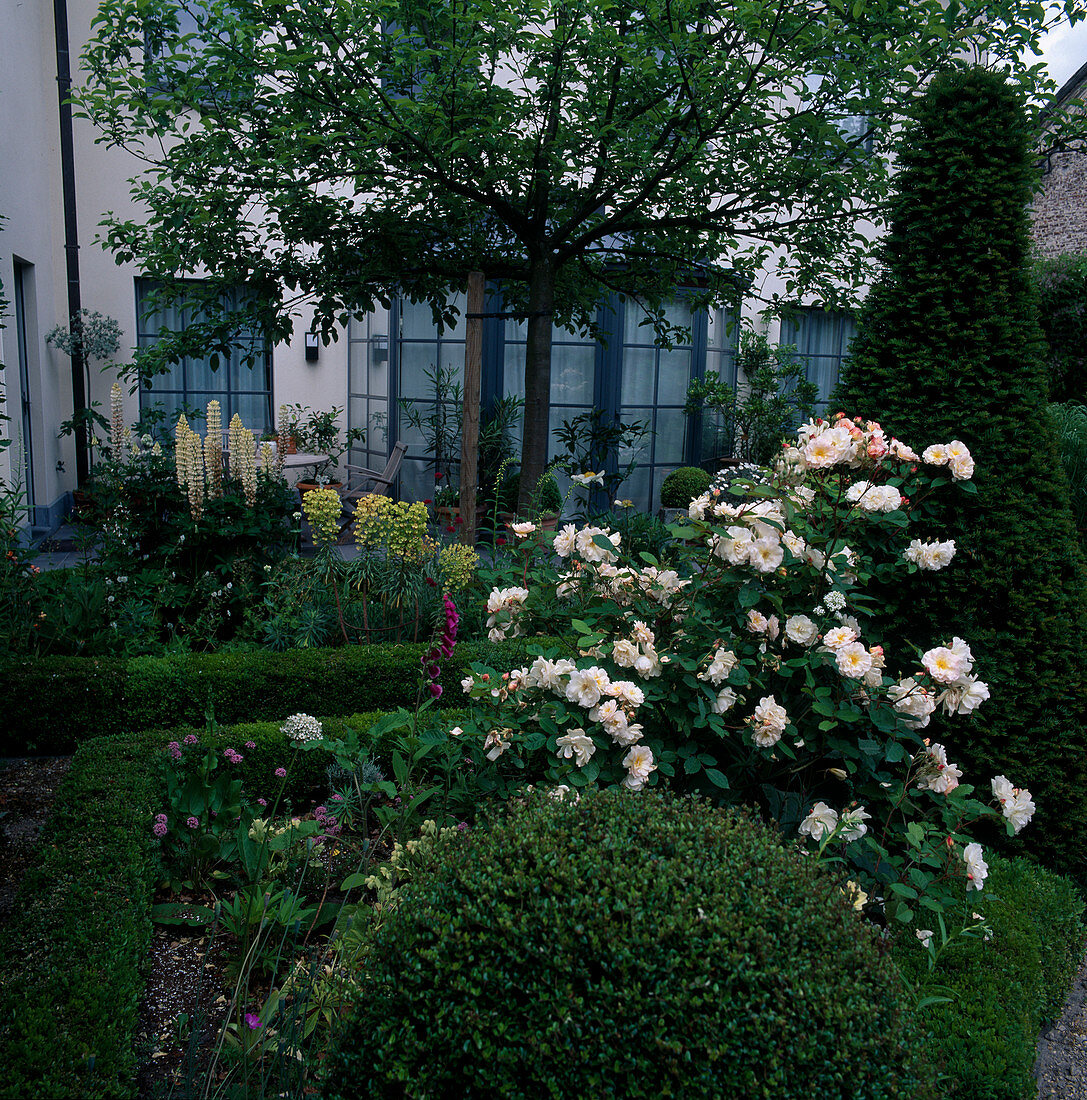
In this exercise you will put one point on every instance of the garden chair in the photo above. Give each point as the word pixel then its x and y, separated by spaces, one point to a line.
pixel 361 482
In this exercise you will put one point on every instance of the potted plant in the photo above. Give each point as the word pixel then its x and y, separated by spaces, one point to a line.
pixel 545 506
pixel 678 489
pixel 317 432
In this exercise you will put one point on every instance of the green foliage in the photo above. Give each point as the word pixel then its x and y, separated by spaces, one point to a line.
pixel 681 486
pixel 1003 990
pixel 1061 286
pixel 63 700
pixel 1070 422
pixel 631 946
pixel 949 347
pixel 323 108
pixel 73 955
pixel 771 399
pixel 545 499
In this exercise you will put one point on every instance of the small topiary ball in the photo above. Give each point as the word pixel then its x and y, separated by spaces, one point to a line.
pixel 681 486
pixel 626 945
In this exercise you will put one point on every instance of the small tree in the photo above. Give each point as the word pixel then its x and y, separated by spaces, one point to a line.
pixel 330 156
pixel 949 346
pixel 1062 298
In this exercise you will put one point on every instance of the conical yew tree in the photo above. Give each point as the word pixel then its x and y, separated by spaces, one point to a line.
pixel 949 348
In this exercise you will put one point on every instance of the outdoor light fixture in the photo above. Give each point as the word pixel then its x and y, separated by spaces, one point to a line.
pixel 312 347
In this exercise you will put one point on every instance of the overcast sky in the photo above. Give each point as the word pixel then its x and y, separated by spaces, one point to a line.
pixel 1064 50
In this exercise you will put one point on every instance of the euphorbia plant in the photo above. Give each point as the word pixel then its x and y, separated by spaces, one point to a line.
pixel 754 670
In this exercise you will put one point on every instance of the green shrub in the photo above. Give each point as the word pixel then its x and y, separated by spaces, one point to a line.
pixel 547 497
pixel 949 348
pixel 53 703
pixel 623 946
pixel 1071 426
pixel 1061 285
pixel 1006 990
pixel 681 486
pixel 70 981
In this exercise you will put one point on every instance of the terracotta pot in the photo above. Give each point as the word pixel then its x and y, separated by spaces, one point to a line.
pixel 304 487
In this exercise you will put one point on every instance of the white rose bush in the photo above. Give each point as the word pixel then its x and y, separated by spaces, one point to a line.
pixel 752 670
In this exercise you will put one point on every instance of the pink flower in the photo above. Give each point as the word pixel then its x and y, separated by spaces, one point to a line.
pixel 175 750
pixel 189 739
pixel 159 829
pixel 250 744
pixel 193 823
pixel 281 773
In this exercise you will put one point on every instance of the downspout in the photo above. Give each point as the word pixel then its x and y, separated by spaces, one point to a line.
pixel 71 231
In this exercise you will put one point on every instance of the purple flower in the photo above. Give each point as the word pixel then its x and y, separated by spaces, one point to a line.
pixel 337 798
pixel 462 826
pixel 253 1020
pixel 160 829
pixel 189 739
pixel 193 823
pixel 161 817
pixel 262 802
pixel 175 750
pixel 281 773
pixel 436 690
pixel 232 756
pixel 250 744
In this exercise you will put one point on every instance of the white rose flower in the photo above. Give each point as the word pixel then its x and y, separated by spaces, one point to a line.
pixel 936 455
pixel 822 821
pixel 723 662
pixel 639 765
pixel 523 530
pixel 839 636
pixel 1017 805
pixel 726 700
pixel 624 653
pixel 853 824
pixel 765 555
pixel 912 700
pixel 853 660
pixel 576 744
pixel 976 867
pixel 565 541
pixel 964 696
pixel 586 685
pixel 801 630
pixel 943 665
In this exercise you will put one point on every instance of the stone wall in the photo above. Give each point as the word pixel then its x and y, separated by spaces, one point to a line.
pixel 1059 212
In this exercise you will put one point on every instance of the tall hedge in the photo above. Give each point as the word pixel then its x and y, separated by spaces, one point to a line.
pixel 949 348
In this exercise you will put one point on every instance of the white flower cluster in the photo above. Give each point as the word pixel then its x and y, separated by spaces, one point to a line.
pixel 768 722
pixel 951 666
pixel 213 450
pixel 302 728
pixel 612 704
pixel 243 457
pixel 118 430
pixel 503 608
pixel 189 460
pixel 954 455
pixel 639 652
pixel 1015 802
pixel 873 498
pixel 852 658
pixel 930 555
pixel 822 821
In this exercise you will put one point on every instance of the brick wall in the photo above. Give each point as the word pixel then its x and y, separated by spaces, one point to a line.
pixel 1059 212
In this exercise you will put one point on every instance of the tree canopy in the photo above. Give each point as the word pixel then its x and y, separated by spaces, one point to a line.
pixel 331 154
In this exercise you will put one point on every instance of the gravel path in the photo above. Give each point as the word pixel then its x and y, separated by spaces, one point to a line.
pixel 1061 1068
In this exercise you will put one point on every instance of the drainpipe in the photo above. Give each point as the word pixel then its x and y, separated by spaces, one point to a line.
pixel 71 228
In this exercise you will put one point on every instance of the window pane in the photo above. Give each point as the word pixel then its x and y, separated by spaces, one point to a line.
pixel 573 373
pixel 639 367
pixel 671 428
pixel 675 374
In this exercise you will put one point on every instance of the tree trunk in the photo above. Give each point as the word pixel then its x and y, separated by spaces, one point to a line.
pixel 473 365
pixel 541 297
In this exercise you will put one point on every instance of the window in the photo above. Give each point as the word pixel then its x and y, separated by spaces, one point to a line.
pixel 368 390
pixel 628 377
pixel 822 339
pixel 192 382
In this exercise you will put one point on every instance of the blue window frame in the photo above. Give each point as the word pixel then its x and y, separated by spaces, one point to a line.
pixel 822 338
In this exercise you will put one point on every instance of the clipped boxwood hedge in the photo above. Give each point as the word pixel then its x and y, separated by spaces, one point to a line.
pixel 51 703
pixel 70 962
pixel 624 946
pixel 1006 991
